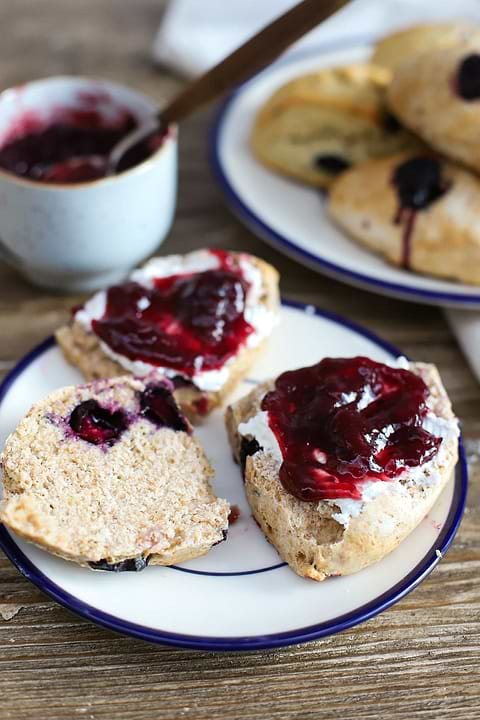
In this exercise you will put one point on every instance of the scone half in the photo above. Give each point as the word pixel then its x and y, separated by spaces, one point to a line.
pixel 338 537
pixel 109 476
pixel 198 387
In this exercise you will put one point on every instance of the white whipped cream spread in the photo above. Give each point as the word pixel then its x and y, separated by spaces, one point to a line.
pixel 426 474
pixel 256 312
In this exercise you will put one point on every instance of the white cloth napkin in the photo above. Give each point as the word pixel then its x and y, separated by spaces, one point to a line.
pixel 196 34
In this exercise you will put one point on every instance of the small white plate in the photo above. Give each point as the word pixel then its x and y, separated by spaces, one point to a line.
pixel 240 596
pixel 292 217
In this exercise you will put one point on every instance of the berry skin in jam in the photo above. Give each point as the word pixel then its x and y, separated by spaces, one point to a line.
pixel 345 421
pixel 190 323
pixel 97 425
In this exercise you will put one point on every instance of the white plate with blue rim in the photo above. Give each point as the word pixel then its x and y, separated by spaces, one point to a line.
pixel 292 217
pixel 241 595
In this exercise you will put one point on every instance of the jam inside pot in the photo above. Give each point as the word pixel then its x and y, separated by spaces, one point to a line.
pixel 190 323
pixel 345 421
pixel 73 146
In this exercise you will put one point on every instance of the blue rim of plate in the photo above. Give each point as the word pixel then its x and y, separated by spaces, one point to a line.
pixel 290 248
pixel 258 642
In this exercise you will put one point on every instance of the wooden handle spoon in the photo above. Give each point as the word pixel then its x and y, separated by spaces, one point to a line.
pixel 249 58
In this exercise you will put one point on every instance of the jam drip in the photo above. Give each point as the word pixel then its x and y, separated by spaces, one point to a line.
pixel 97 425
pixel 158 406
pixel 418 183
pixel 189 323
pixel 468 78
pixel 344 421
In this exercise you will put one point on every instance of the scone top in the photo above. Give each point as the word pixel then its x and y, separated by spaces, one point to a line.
pixel 347 421
pixel 189 316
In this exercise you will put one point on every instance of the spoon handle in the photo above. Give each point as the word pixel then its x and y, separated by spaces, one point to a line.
pixel 250 57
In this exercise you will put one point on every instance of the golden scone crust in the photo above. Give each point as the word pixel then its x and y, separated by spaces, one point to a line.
pixel 337 112
pixel 394 49
pixel 147 495
pixel 423 95
pixel 82 349
pixel 306 535
pixel 445 235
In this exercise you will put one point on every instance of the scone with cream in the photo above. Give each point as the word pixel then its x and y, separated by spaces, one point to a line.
pixel 109 475
pixel 317 125
pixel 418 211
pixel 437 96
pixel 201 319
pixel 343 459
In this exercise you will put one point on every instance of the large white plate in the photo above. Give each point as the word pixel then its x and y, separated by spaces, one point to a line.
pixel 292 217
pixel 240 596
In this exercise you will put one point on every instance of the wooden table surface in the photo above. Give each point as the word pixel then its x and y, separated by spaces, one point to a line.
pixel 420 659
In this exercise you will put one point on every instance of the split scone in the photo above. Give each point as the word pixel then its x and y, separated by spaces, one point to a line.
pixel 394 49
pixel 109 476
pixel 317 125
pixel 343 459
pixel 419 211
pixel 437 95
pixel 201 319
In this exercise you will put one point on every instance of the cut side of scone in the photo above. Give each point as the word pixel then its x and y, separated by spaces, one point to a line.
pixel 201 319
pixel 419 211
pixel 343 459
pixel 108 475
pixel 317 125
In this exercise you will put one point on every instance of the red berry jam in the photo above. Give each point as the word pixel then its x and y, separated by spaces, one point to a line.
pixel 97 425
pixel 344 421
pixel 189 323
pixel 158 406
pixel 73 147
pixel 418 182
pixel 468 78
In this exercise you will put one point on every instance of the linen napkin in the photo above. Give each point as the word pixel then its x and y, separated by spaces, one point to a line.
pixel 195 34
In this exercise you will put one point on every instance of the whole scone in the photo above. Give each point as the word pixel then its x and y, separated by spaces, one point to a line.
pixel 317 125
pixel 108 475
pixel 418 211
pixel 437 96
pixel 396 48
pixel 201 319
pixel 330 537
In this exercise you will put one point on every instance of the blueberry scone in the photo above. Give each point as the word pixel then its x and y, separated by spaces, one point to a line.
pixel 316 126
pixel 437 95
pixel 201 319
pixel 394 49
pixel 418 211
pixel 343 459
pixel 108 475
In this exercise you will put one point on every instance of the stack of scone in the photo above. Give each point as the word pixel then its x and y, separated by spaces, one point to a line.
pixel 395 142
